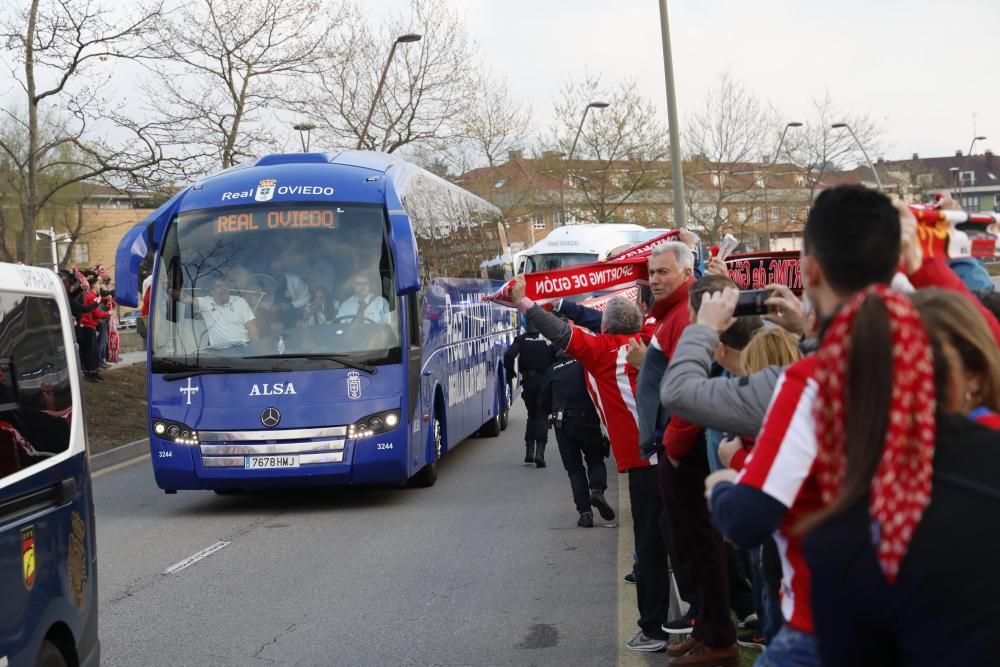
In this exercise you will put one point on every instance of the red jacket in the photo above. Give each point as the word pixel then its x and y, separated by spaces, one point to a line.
pixel 89 320
pixel 681 435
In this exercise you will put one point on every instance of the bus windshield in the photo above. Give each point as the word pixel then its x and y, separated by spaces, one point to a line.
pixel 275 287
pixel 558 260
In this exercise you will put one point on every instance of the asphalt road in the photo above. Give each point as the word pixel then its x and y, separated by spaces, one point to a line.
pixel 485 568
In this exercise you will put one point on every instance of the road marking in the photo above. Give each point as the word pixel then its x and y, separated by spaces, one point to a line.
pixel 119 466
pixel 194 558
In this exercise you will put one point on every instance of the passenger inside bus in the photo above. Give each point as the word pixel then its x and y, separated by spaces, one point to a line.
pixel 363 305
pixel 301 285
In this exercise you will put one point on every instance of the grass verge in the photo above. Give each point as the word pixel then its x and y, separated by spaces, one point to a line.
pixel 116 408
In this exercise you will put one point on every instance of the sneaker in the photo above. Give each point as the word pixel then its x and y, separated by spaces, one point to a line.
pixel 648 644
pixel 680 626
pixel 586 520
pixel 750 622
pixel 597 500
pixel 630 578
pixel 105 365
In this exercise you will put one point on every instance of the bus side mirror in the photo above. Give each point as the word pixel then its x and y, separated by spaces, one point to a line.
pixel 404 251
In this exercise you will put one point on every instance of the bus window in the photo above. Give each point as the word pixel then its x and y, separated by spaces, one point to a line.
pixel 239 285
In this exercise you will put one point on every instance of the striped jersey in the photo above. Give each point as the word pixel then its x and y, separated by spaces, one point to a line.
pixel 782 465
pixel 611 384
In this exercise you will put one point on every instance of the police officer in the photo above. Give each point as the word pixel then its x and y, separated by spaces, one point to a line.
pixel 535 355
pixel 578 433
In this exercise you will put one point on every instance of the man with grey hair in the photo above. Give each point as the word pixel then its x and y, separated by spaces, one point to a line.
pixel 611 383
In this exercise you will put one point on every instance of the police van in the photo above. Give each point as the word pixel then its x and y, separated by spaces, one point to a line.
pixel 48 566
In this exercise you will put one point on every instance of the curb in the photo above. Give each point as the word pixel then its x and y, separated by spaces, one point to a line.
pixel 112 457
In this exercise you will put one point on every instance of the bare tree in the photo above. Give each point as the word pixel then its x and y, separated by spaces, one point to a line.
pixel 728 142
pixel 819 149
pixel 620 152
pixel 58 47
pixel 222 67
pixel 428 89
pixel 497 122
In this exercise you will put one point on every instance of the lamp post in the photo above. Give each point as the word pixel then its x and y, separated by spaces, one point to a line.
pixel 402 39
pixel 572 149
pixel 676 167
pixel 54 240
pixel 974 140
pixel 774 161
pixel 878 181
pixel 304 131
pixel 956 178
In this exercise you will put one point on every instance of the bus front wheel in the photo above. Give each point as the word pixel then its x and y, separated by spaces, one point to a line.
pixel 428 475
pixel 50 656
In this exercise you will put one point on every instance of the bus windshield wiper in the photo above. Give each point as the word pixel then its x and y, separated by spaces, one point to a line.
pixel 344 359
pixel 197 370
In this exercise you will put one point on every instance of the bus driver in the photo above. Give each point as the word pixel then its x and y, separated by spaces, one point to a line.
pixel 228 318
pixel 363 305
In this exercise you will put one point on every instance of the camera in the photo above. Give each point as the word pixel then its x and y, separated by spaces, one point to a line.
pixel 751 302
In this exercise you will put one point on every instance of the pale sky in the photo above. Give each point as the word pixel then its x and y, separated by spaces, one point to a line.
pixel 921 68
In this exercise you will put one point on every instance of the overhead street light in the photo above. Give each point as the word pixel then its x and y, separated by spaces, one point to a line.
pixel 54 240
pixel 974 140
pixel 562 194
pixel 304 130
pixel 774 161
pixel 402 39
pixel 878 181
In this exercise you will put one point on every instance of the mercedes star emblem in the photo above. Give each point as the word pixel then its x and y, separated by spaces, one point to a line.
pixel 270 417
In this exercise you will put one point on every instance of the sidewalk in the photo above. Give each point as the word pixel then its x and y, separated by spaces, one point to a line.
pixel 130 358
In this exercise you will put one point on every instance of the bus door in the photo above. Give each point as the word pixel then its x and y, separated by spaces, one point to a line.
pixel 48 576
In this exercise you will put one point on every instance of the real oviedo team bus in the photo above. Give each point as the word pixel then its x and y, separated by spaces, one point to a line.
pixel 317 319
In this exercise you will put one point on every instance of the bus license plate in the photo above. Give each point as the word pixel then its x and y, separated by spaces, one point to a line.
pixel 257 462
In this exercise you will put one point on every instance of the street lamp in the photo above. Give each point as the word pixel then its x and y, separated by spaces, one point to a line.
pixel 974 140
pixel 402 39
pixel 54 240
pixel 878 181
pixel 676 167
pixel 774 161
pixel 956 179
pixel 304 130
pixel 562 193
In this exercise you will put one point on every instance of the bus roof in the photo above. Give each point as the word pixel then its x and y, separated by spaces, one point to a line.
pixel 348 176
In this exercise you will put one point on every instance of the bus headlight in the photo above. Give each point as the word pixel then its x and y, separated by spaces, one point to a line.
pixel 380 422
pixel 175 432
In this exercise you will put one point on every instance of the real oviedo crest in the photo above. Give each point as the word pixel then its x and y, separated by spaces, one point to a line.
pixel 353 385
pixel 265 189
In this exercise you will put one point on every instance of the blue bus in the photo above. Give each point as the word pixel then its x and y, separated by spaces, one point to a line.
pixel 48 556
pixel 317 319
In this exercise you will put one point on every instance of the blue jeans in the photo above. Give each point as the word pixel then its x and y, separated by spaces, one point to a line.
pixel 790 648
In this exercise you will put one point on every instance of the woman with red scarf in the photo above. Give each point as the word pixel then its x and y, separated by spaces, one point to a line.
pixel 902 557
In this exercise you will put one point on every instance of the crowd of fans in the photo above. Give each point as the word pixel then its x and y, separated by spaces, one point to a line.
pixel 834 455
pixel 92 302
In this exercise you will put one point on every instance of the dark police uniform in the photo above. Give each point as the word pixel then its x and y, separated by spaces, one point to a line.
pixel 578 433
pixel 535 355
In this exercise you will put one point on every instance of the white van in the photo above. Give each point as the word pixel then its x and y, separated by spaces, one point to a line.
pixel 583 244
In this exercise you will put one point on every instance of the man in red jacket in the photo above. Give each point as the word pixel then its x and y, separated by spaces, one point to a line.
pixel 611 385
